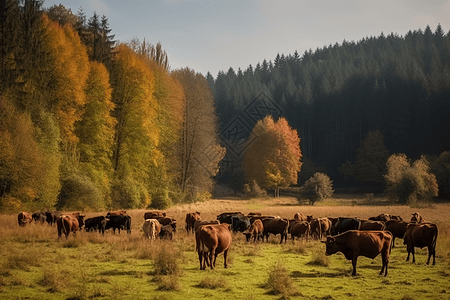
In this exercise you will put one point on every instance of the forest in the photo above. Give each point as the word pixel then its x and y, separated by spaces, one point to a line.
pixel 397 86
pixel 90 123
pixel 87 123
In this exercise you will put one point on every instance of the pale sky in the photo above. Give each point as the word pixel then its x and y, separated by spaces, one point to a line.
pixel 214 35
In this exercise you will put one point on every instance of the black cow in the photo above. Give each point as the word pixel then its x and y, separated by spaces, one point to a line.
pixel 95 223
pixel 166 232
pixel 226 217
pixel 52 216
pixel 345 224
pixel 397 228
pixel 276 226
pixel 119 222
pixel 39 216
pixel 240 223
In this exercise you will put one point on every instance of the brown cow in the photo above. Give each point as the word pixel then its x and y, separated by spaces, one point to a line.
pixel 153 214
pixel 68 223
pixel 190 221
pixel 116 213
pixel 255 230
pixel 212 240
pixel 416 218
pixel 299 229
pixel 421 235
pixel 199 223
pixel 381 217
pixel 320 226
pixel 354 243
pixel 397 228
pixel 299 217
pixel 23 218
pixel 276 226
pixel 166 232
pixel 151 228
pixel 251 214
pixel 371 225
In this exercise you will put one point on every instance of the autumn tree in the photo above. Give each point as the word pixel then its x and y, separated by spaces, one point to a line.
pixel 410 182
pixel 199 150
pixel 136 136
pixel 273 154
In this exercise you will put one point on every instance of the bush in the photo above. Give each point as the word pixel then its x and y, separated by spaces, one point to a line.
pixel 167 262
pixel 408 183
pixel 317 188
pixel 210 282
pixel 78 192
pixel 160 200
pixel 127 194
pixel 253 190
pixel 279 281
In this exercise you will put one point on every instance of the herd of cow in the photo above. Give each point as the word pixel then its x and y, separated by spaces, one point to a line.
pixel 351 236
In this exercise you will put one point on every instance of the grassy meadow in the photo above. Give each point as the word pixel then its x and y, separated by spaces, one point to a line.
pixel 36 265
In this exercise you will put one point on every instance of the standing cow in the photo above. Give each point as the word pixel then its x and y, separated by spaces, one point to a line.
pixel 23 218
pixel 151 229
pixel 69 223
pixel 52 216
pixel 421 235
pixel 39 216
pixel 256 231
pixel 356 243
pixel 212 240
pixel 276 226
pixel 299 229
pixel 190 221
pixel 397 228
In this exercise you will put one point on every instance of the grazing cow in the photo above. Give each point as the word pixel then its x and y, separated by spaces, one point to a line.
pixel 39 216
pixel 371 225
pixel 151 229
pixel 153 214
pixel 119 222
pixel 299 217
pixel 354 243
pixel 68 223
pixel 212 240
pixel 166 232
pixel 95 223
pixel 276 226
pixel 345 224
pixel 226 217
pixel 190 221
pixel 116 213
pixel 299 229
pixel 255 230
pixel 381 217
pixel 52 216
pixel 199 223
pixel 320 226
pixel 421 235
pixel 239 223
pixel 167 221
pixel 417 218
pixel 397 228
pixel 23 218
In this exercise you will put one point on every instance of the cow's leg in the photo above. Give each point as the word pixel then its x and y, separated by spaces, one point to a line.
pixel 225 254
pixel 385 261
pixel 354 260
pixel 200 258
pixel 409 252
pixel 212 258
pixel 431 251
pixel 413 255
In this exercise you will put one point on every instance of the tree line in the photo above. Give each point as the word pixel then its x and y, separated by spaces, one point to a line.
pixel 89 123
pixel 337 95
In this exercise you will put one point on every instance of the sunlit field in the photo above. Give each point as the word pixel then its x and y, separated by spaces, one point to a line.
pixel 36 265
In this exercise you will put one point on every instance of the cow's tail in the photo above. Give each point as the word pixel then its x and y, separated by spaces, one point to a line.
pixel 153 231
pixel 433 244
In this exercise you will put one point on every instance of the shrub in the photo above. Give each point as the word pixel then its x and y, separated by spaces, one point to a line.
pixel 168 283
pixel 408 183
pixel 211 282
pixel 253 190
pixel 317 188
pixel 160 200
pixel 319 259
pixel 166 261
pixel 78 192
pixel 279 281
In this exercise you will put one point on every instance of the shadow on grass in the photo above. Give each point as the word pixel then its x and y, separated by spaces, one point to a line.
pixel 118 273
pixel 315 274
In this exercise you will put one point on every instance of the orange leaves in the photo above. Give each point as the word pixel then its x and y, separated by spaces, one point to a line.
pixel 69 69
pixel 273 155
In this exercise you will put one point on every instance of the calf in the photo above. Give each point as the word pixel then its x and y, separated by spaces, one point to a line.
pixel 23 218
pixel 190 221
pixel 256 231
pixel 421 235
pixel 354 243
pixel 95 223
pixel 275 226
pixel 151 228
pixel 212 240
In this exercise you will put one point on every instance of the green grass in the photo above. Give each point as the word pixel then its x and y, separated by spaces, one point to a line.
pixel 35 265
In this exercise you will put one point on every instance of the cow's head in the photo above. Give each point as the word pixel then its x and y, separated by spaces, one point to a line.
pixel 80 219
pixel 309 218
pixel 331 246
pixel 248 235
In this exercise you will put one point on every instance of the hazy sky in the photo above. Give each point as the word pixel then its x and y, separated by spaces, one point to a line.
pixel 214 35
